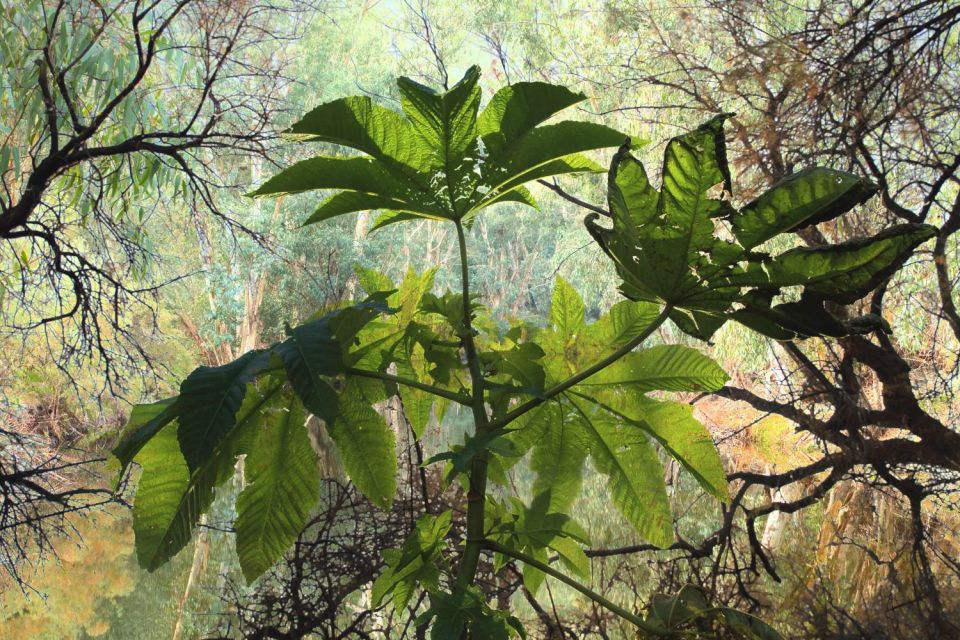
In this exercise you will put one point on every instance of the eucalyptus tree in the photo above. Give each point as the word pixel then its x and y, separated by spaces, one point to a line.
pixel 115 116
pixel 562 393
pixel 113 112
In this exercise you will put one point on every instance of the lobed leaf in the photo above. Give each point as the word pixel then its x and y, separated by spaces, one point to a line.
pixel 805 198
pixel 846 272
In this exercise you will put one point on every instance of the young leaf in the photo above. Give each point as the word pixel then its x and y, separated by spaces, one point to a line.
pixel 414 564
pixel 567 310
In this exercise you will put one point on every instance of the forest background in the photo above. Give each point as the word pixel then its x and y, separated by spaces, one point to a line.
pixel 179 269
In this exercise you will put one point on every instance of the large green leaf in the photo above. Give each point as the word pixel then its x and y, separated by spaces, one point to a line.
pixel 160 531
pixel 520 195
pixel 625 321
pixel 632 198
pixel 310 353
pixel 431 163
pixel 351 202
pixel 445 122
pixel 671 367
pixel 283 486
pixel 446 125
pixel 558 456
pixel 571 164
pixel 366 444
pixel 516 109
pixel 208 404
pixel 322 172
pixel 170 497
pixel 807 197
pixel 669 247
pixel 532 426
pixel 693 164
pixel 546 144
pixel 417 404
pixel 686 440
pixel 358 123
pixel 626 457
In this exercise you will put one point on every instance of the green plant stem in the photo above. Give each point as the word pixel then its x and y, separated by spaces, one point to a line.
pixel 459 398
pixel 629 616
pixel 579 377
pixel 476 494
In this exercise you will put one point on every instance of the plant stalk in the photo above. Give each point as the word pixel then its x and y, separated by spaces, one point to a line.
pixel 476 493
pixel 429 388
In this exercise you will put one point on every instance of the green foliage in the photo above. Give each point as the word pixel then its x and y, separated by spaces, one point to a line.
pixel 208 404
pixel 441 159
pixel 171 497
pixel 450 613
pixel 570 392
pixel 188 446
pixel 667 245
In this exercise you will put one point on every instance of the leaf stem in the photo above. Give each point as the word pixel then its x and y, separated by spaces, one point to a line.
pixel 459 398
pixel 476 494
pixel 579 377
pixel 629 616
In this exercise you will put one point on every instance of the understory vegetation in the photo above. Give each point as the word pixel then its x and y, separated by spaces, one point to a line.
pixel 475 320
